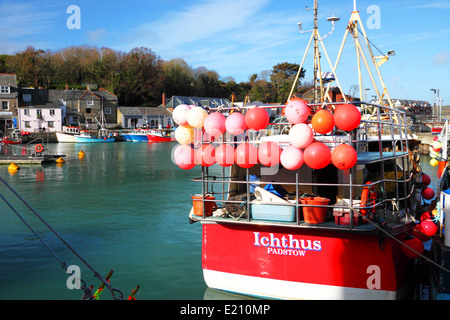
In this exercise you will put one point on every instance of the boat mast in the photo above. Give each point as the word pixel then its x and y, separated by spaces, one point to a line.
pixel 316 50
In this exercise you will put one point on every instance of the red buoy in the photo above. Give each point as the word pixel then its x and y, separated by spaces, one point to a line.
pixel 256 118
pixel 344 157
pixel 269 153
pixel 246 155
pixel 347 117
pixel 317 155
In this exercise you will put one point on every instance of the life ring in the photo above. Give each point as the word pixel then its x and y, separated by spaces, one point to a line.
pixel 368 198
pixel 39 148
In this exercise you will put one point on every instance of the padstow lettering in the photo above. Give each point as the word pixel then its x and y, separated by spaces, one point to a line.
pixel 286 245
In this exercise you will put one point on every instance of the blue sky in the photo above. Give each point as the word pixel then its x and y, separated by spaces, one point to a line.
pixel 238 38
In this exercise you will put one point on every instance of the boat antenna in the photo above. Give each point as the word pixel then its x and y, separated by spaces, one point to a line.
pixel 317 67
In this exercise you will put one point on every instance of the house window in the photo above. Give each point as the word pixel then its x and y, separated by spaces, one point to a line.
pixel 51 124
pixel 27 124
pixel 5 89
pixel 27 97
pixel 108 111
pixel 88 110
pixel 52 112
pixel 90 102
pixel 5 105
pixel 39 113
pixel 26 112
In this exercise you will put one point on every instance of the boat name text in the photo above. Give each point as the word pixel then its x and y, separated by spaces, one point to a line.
pixel 286 245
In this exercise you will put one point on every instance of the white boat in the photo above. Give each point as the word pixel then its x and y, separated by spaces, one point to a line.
pixel 68 134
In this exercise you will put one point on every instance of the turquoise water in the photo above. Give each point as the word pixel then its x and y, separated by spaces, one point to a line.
pixel 124 206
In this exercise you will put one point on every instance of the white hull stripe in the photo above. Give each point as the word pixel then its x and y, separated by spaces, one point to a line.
pixel 281 289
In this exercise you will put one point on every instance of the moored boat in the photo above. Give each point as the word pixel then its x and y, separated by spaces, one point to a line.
pixel 68 134
pixel 137 135
pixel 160 135
pixel 86 137
pixel 322 209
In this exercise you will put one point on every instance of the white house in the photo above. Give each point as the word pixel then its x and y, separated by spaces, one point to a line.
pixel 41 119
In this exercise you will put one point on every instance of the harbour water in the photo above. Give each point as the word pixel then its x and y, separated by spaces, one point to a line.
pixel 124 206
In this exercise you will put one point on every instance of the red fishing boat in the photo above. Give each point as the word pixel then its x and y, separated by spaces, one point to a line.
pixel 321 206
pixel 160 135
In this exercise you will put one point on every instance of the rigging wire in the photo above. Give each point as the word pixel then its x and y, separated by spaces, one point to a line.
pixel 64 265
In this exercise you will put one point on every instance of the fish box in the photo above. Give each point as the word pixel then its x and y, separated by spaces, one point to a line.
pixel 272 212
pixel 342 215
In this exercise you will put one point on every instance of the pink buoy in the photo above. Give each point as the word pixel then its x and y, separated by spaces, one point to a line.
pixel 246 155
pixel 296 111
pixel 347 117
pixel 428 193
pixel 301 135
pixel 235 123
pixel 215 124
pixel 206 155
pixel 225 155
pixel 344 157
pixel 179 114
pixel 269 153
pixel 256 118
pixel 291 158
pixel 184 157
pixel 317 155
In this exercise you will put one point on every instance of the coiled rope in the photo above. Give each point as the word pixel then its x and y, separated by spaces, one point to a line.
pixel 64 265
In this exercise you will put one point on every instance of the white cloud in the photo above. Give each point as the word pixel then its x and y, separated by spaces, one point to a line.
pixel 96 36
pixel 435 5
pixel 442 58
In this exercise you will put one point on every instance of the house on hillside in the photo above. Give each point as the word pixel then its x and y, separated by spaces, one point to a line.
pixel 8 101
pixel 144 117
pixel 42 108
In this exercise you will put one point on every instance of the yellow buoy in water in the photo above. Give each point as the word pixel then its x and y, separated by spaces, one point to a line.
pixel 60 160
pixel 13 167
pixel 80 154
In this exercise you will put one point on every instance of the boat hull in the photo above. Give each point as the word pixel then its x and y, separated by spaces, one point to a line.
pixel 155 138
pixel 93 140
pixel 138 137
pixel 300 263
pixel 65 137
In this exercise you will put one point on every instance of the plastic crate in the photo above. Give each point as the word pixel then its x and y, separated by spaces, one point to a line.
pixel 342 216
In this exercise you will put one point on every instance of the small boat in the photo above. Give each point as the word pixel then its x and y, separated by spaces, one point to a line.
pixel 8 140
pixel 13 139
pixel 137 135
pixel 68 134
pixel 160 135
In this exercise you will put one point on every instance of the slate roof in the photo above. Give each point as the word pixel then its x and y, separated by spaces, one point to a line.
pixel 139 111
pixel 53 98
